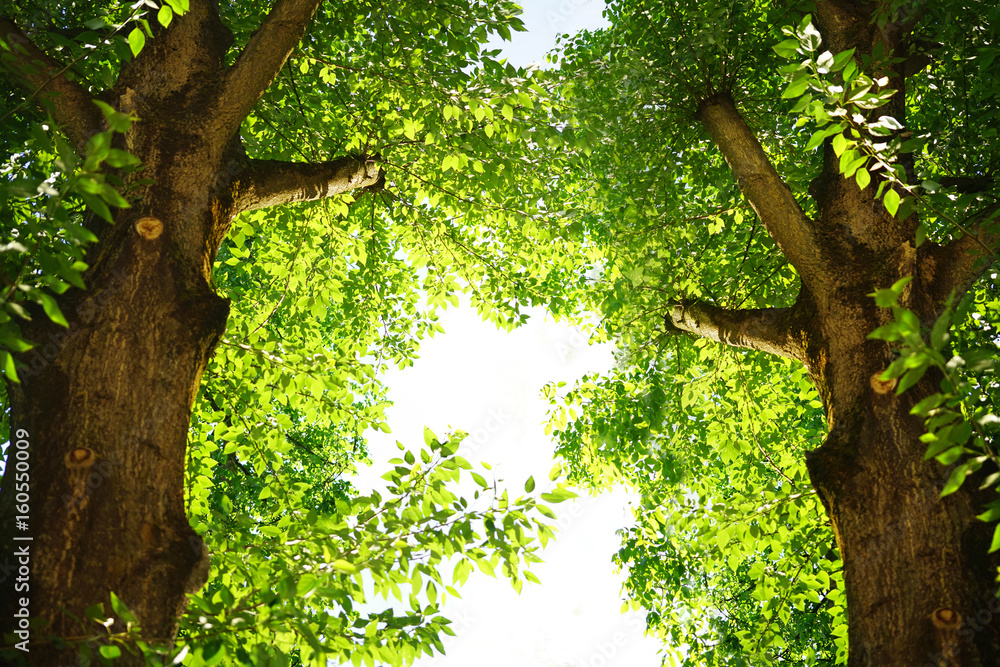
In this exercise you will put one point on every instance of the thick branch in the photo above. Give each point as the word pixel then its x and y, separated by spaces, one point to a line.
pixel 272 183
pixel 956 266
pixel 763 187
pixel 45 80
pixel 764 329
pixel 263 58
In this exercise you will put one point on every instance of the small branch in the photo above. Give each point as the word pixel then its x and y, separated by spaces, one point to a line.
pixel 262 58
pixel 765 329
pixel 764 188
pixel 272 182
pixel 969 185
pixel 45 80
pixel 233 461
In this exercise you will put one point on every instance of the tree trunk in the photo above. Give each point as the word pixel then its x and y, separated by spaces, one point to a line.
pixel 104 406
pixel 105 409
pixel 919 581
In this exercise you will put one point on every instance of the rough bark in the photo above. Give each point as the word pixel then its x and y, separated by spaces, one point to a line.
pixel 68 101
pixel 763 188
pixel 271 183
pixel 105 404
pixel 262 59
pixel 920 584
pixel 773 330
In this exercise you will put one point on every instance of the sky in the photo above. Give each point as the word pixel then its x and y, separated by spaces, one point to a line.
pixel 488 383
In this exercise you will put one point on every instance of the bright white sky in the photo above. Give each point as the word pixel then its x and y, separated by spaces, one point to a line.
pixel 488 383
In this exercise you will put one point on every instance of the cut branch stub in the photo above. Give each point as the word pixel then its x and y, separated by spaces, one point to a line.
pixel 946 619
pixel 149 227
pixel 882 386
pixel 80 457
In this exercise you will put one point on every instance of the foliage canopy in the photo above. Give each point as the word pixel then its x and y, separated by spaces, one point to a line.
pixel 324 297
pixel 587 188
pixel 732 553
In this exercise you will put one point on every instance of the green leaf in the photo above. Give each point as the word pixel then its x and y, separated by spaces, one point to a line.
pixel 995 544
pixel 820 135
pixel 891 201
pixel 545 511
pixel 112 197
pixel 992 513
pixel 121 609
pixel 179 6
pixel 110 651
pixel 529 486
pixel 839 144
pixel 9 369
pixel 344 566
pixel 51 308
pixel 955 480
pixel 939 332
pixel 949 456
pixel 136 40
pixel 164 16
pixel 787 48
pixel 923 407
pixel 795 88
pixel 841 59
pixel 95 612
pixel 899 285
pixel 863 178
pixel 910 378
pixel 980 360
pixel 119 158
pixel 558 496
pixel 119 122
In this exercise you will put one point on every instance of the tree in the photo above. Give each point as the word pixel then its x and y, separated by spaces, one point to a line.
pixel 189 360
pixel 764 170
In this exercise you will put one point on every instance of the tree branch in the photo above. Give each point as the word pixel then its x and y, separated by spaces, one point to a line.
pixel 272 183
pixel 763 187
pixel 957 265
pixel 45 80
pixel 969 184
pixel 765 329
pixel 262 58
